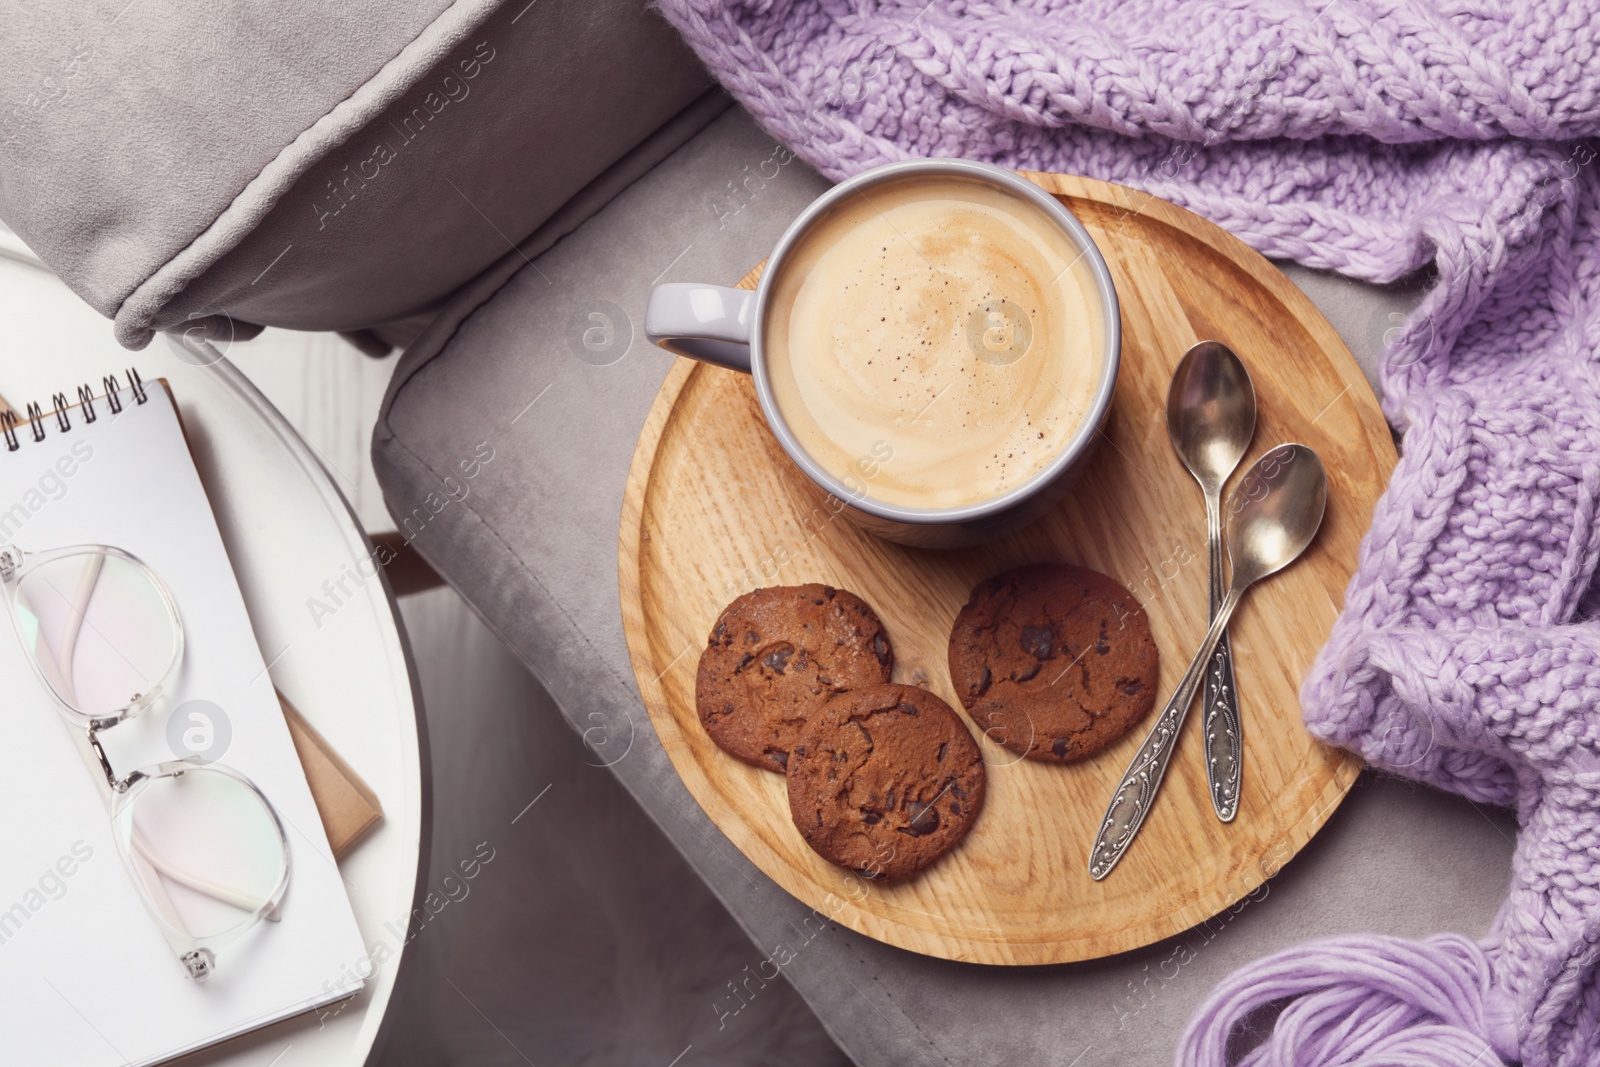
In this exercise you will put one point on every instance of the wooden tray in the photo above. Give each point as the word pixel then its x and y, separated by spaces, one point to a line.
pixel 714 508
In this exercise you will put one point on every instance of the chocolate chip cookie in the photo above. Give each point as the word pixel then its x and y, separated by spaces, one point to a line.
pixel 774 656
pixel 885 780
pixel 1054 662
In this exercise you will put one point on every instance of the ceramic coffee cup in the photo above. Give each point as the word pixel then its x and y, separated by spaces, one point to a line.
pixel 725 327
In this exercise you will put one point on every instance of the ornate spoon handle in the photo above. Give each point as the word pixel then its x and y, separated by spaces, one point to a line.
pixel 1135 794
pixel 1224 749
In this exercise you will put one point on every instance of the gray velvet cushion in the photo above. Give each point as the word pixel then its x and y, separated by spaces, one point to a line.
pixel 531 542
pixel 311 165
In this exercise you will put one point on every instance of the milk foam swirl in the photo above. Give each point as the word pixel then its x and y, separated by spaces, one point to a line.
pixel 937 341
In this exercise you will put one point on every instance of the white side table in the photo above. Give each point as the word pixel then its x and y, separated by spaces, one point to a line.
pixel 288 529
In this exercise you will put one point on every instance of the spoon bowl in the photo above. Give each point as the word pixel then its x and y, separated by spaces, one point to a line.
pixel 1275 513
pixel 1211 412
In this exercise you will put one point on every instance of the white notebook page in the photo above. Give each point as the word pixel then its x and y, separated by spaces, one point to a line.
pixel 86 978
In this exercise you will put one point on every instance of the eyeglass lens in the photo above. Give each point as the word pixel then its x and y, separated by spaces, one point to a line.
pixel 99 628
pixel 203 847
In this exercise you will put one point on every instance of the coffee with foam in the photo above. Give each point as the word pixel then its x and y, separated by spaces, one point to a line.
pixel 934 342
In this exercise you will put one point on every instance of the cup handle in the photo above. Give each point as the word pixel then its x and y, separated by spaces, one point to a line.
pixel 710 323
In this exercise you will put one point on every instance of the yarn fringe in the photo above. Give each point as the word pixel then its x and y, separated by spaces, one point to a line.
pixel 1358 1001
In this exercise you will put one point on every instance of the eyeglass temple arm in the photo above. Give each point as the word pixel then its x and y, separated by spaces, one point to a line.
pixel 69 636
pixel 242 901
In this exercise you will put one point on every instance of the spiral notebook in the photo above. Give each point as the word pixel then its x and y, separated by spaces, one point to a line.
pixel 85 976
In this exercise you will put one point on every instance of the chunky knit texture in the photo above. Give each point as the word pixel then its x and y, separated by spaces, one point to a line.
pixel 1371 138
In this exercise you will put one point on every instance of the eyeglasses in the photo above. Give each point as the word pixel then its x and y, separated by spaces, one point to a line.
pixel 202 844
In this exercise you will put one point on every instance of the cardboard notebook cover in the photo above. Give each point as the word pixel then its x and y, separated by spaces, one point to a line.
pixel 348 806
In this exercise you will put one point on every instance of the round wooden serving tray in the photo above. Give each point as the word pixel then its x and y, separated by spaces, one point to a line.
pixel 714 508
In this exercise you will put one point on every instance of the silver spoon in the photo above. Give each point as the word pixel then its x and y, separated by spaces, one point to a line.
pixel 1211 417
pixel 1273 515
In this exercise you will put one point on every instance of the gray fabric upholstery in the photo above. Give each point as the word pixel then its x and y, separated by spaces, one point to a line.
pixel 532 545
pixel 1362 314
pixel 590 939
pixel 311 166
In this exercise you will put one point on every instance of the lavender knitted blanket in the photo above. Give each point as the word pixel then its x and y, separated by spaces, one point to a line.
pixel 1370 137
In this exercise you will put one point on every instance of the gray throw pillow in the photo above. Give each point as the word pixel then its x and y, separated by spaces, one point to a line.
pixel 308 165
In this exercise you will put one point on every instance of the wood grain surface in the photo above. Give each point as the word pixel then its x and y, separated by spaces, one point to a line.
pixel 714 508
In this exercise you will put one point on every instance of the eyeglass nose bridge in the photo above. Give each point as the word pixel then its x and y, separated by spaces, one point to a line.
pixel 117 785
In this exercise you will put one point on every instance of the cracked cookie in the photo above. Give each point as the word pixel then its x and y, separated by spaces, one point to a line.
pixel 1054 662
pixel 885 780
pixel 774 655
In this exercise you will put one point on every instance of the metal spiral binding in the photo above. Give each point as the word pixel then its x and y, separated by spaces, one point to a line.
pixel 62 406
